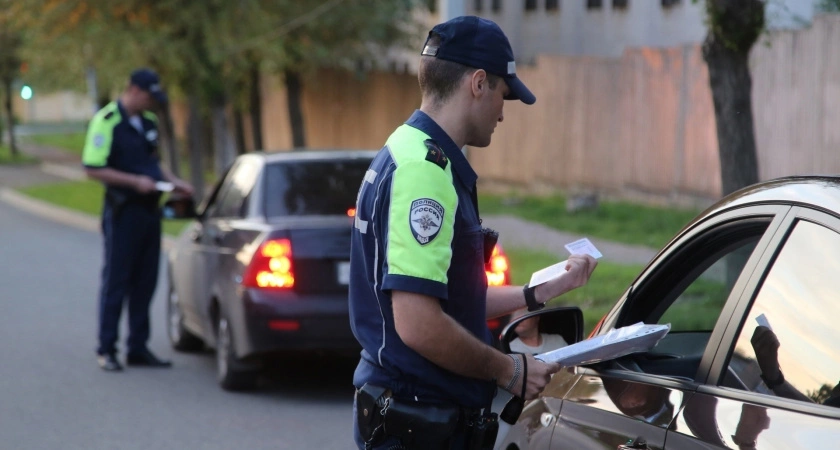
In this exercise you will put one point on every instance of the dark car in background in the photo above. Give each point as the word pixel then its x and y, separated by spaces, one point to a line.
pixel 768 254
pixel 264 267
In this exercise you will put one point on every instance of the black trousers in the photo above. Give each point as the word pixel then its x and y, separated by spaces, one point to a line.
pixel 129 274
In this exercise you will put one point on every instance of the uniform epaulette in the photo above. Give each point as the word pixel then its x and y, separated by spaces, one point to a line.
pixel 109 115
pixel 435 154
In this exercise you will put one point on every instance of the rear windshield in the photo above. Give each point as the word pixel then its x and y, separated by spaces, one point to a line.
pixel 305 188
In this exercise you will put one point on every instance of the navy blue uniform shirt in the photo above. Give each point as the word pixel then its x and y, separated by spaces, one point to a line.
pixel 417 230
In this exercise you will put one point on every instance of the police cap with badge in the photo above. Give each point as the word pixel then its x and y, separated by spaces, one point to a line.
pixel 480 43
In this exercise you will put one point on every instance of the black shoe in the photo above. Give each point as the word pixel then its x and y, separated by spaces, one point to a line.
pixel 109 363
pixel 146 358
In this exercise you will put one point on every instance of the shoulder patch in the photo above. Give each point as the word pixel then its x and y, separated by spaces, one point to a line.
pixel 425 218
pixel 435 154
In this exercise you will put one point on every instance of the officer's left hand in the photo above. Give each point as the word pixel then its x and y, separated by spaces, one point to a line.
pixel 579 268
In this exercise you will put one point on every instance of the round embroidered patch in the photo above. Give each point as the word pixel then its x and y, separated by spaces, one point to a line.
pixel 425 218
pixel 98 140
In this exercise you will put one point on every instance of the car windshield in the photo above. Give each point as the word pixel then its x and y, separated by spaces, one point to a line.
pixel 303 188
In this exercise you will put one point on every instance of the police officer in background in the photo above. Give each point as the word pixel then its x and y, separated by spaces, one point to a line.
pixel 419 300
pixel 121 151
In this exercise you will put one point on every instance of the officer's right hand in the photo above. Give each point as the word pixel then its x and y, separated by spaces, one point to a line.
pixel 539 374
pixel 144 184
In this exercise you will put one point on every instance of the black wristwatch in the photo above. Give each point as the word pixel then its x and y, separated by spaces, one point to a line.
pixel 531 299
pixel 773 384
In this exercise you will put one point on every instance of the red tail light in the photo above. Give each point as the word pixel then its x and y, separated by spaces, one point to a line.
pixel 498 269
pixel 351 212
pixel 271 266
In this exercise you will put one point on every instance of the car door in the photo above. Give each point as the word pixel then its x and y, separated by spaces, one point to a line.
pixel 795 288
pixel 189 269
pixel 225 205
pixel 693 285
pixel 221 239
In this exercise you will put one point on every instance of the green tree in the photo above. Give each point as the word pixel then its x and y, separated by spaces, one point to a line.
pixel 10 62
pixel 830 5
pixel 336 33
pixel 212 53
pixel 734 26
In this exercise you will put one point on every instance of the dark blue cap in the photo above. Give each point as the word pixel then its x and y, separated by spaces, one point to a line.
pixel 480 43
pixel 149 81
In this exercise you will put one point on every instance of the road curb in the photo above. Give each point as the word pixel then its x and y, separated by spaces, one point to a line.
pixel 58 214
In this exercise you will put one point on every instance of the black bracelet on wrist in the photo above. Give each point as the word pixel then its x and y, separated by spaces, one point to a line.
pixel 773 384
pixel 531 299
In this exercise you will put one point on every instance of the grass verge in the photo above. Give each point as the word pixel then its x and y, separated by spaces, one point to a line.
pixel 6 157
pixel 625 222
pixel 86 197
pixel 70 142
pixel 608 283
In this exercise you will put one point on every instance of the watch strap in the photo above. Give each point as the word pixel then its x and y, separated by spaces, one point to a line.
pixel 531 299
pixel 773 384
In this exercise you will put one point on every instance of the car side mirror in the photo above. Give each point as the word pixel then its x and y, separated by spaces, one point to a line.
pixel 179 208
pixel 566 321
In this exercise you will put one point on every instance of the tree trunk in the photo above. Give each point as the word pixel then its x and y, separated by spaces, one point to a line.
pixel 293 94
pixel 734 27
pixel 239 131
pixel 256 107
pixel 196 145
pixel 10 120
pixel 731 84
pixel 168 138
pixel 223 140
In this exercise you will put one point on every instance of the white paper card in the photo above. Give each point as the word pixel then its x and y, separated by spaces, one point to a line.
pixel 164 186
pixel 762 320
pixel 615 344
pixel 541 276
pixel 583 246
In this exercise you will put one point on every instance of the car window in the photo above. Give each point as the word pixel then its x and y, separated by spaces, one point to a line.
pixel 799 301
pixel 689 290
pixel 313 187
pixel 698 307
pixel 239 183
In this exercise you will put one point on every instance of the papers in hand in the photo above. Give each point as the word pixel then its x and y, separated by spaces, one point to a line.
pixel 580 246
pixel 762 320
pixel 583 246
pixel 615 344
pixel 164 186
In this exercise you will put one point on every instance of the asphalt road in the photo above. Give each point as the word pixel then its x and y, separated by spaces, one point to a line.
pixel 53 395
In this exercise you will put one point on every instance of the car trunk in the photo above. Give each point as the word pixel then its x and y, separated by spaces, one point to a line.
pixel 320 253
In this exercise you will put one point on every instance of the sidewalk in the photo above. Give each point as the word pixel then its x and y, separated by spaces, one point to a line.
pixel 58 166
pixel 519 233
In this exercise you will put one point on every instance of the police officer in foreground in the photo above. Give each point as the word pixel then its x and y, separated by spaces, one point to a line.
pixel 121 151
pixel 419 300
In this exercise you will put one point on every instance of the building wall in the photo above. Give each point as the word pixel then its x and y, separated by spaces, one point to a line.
pixel 54 107
pixel 643 125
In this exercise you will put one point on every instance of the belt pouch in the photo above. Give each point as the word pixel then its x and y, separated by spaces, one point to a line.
pixel 116 200
pixel 370 400
pixel 421 425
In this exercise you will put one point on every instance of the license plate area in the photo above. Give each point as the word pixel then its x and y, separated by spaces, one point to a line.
pixel 342 270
